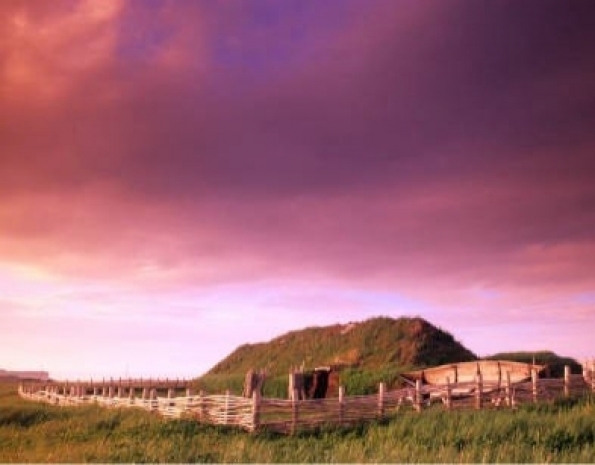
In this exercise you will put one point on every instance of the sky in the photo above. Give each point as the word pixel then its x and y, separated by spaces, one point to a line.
pixel 178 178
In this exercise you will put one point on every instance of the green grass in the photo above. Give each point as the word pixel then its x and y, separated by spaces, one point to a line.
pixel 374 344
pixel 559 432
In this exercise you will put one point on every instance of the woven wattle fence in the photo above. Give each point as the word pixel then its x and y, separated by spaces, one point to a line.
pixel 291 415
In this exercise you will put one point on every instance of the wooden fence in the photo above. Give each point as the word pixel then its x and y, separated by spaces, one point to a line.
pixel 289 416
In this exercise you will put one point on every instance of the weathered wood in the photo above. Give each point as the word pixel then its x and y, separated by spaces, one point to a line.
pixel 478 390
pixel 381 394
pixel 509 399
pixel 294 409
pixel 534 390
pixel 566 380
pixel 418 397
pixel 341 401
pixel 253 381
pixel 466 371
pixel 226 408
pixel 255 410
pixel 292 415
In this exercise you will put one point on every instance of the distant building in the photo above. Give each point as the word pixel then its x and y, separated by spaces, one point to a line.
pixel 35 375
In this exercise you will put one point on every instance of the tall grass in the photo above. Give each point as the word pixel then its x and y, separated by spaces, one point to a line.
pixel 560 432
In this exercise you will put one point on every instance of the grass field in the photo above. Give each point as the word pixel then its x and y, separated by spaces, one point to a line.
pixel 32 432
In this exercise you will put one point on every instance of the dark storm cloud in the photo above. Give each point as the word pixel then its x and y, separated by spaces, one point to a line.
pixel 444 134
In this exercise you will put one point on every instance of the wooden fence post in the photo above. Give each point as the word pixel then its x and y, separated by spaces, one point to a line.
pixel 294 410
pixel 290 385
pixel 170 393
pixel 226 408
pixel 478 390
pixel 593 375
pixel 448 394
pixel 566 380
pixel 534 391
pixel 255 410
pixel 153 399
pixel 381 392
pixel 341 404
pixel 418 399
pixel 508 390
pixel 201 406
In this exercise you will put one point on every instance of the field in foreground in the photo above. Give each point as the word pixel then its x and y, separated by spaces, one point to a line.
pixel 32 432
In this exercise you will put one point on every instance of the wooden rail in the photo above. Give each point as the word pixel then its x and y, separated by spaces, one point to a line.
pixel 289 416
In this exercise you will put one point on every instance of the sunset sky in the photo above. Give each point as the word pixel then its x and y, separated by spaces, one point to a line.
pixel 178 178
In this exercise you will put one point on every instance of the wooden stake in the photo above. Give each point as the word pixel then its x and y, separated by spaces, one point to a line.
pixel 534 391
pixel 566 380
pixel 202 409
pixel 508 390
pixel 294 410
pixel 381 392
pixel 418 399
pixel 341 404
pixel 226 408
pixel 255 410
pixel 448 394
pixel 478 390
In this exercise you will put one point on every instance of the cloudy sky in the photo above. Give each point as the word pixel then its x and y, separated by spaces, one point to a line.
pixel 178 178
